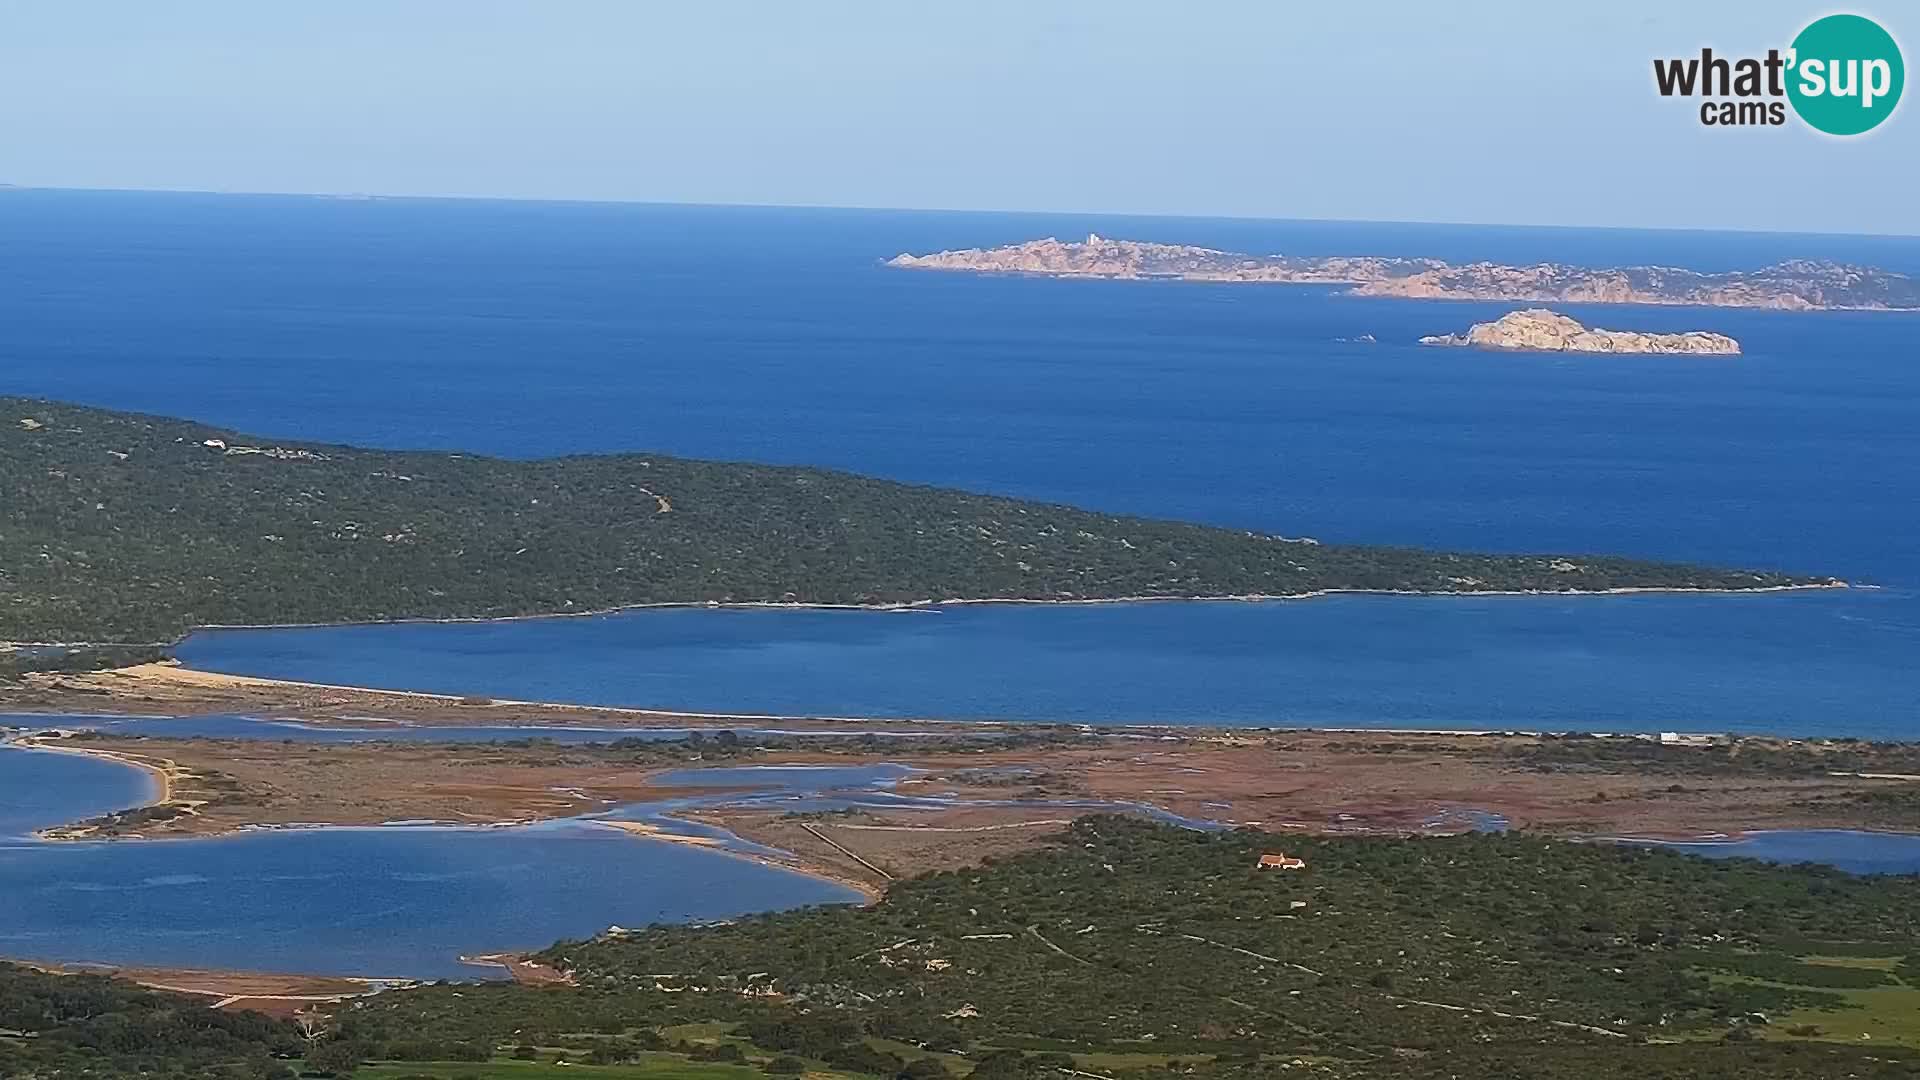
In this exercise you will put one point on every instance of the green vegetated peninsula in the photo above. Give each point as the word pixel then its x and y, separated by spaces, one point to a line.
pixel 1136 951
pixel 120 527
pixel 1473 956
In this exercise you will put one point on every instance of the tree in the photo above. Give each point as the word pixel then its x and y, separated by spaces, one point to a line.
pixel 926 1068
pixel 335 1058
pixel 313 1026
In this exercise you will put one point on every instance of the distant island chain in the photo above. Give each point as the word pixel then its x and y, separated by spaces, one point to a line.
pixel 1793 285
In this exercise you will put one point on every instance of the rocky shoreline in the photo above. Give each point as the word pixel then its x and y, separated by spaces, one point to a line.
pixel 1793 285
pixel 1540 330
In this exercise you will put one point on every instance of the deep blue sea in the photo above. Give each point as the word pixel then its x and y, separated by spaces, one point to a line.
pixel 526 329
pixel 530 329
pixel 776 335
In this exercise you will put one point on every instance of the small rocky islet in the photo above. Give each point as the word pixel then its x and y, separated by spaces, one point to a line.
pixel 1540 330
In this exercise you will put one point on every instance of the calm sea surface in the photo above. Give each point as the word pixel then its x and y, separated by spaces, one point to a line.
pixel 775 335
pixel 529 329
pixel 1793 663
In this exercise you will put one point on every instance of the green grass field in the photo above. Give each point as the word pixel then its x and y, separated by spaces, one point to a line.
pixel 1880 1015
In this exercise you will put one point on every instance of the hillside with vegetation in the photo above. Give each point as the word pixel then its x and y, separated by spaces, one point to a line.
pixel 120 527
pixel 1132 936
pixel 92 1026
pixel 1135 951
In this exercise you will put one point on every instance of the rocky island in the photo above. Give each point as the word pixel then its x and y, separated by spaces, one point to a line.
pixel 1540 330
pixel 1794 285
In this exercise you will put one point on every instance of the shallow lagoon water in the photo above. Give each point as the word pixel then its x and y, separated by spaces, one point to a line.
pixel 1851 850
pixel 43 788
pixel 382 902
pixel 393 902
pixel 1820 663
pixel 407 901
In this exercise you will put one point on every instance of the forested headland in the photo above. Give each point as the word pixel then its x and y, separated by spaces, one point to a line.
pixel 1135 951
pixel 127 528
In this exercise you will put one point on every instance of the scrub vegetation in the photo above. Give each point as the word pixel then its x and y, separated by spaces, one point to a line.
pixel 1137 951
pixel 119 527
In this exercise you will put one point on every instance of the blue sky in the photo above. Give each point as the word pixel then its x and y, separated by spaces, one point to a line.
pixel 1497 111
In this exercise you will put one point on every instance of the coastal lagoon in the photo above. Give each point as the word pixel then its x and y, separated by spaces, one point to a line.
pixel 406 901
pixel 1851 850
pixel 43 788
pixel 396 901
pixel 1818 664
pixel 392 902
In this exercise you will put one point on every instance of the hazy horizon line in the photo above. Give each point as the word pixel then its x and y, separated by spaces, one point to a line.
pixel 355 196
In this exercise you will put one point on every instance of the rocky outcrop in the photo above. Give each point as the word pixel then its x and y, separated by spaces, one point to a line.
pixel 1798 285
pixel 1540 330
pixel 1098 256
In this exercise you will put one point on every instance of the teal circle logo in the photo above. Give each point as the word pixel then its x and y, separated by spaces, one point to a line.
pixel 1846 74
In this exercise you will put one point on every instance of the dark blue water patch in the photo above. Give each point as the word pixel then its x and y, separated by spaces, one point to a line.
pixel 1851 850
pixel 1825 664
pixel 776 335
